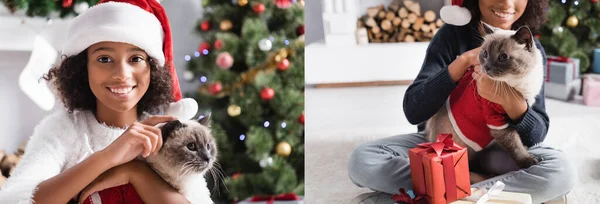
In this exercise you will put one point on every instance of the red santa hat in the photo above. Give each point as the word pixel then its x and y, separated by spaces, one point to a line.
pixel 455 14
pixel 142 23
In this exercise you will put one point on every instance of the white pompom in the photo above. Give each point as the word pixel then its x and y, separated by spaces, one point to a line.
pixel 184 109
pixel 455 15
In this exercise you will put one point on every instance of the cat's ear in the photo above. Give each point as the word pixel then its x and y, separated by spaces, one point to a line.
pixel 524 36
pixel 205 120
pixel 169 127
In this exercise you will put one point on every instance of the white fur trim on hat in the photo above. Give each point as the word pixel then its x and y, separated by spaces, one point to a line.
pixel 455 15
pixel 116 22
pixel 183 109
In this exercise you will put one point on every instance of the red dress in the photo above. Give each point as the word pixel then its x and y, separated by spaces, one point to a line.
pixel 115 195
pixel 473 116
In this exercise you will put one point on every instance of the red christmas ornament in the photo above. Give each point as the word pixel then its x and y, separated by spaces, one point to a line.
pixel 235 175
pixel 203 46
pixel 283 65
pixel 205 25
pixel 283 4
pixel 538 36
pixel 300 30
pixel 224 60
pixel 301 118
pixel 215 88
pixel 67 3
pixel 267 93
pixel 258 8
pixel 594 1
pixel 218 44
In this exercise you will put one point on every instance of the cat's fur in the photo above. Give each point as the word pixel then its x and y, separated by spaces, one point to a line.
pixel 177 162
pixel 524 72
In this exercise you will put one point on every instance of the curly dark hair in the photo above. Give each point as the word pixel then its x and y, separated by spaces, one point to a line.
pixel 71 81
pixel 534 16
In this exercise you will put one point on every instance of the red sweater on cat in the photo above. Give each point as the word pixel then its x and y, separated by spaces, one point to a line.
pixel 473 116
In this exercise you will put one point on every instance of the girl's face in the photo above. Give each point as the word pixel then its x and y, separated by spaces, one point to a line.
pixel 119 74
pixel 501 13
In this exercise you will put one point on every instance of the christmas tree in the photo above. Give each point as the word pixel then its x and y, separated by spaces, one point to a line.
pixel 572 30
pixel 49 8
pixel 251 68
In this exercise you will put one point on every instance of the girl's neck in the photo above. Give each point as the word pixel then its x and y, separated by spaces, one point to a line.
pixel 114 118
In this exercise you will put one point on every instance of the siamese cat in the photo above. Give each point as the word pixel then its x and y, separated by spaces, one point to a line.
pixel 506 56
pixel 189 151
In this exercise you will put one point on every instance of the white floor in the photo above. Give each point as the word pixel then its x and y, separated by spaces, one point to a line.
pixel 340 119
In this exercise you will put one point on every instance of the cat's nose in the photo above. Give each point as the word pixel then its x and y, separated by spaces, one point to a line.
pixel 204 155
pixel 487 68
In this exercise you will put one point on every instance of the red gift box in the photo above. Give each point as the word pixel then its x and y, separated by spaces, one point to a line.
pixel 440 170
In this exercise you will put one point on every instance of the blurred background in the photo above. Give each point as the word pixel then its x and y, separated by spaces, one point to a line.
pixel 363 54
pixel 242 60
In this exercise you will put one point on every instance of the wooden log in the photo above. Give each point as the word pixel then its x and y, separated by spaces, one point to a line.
pixel 378 36
pixel 386 25
pixel 428 35
pixel 377 41
pixel 405 24
pixel 401 35
pixel 381 14
pixel 370 35
pixel 397 21
pixel 412 6
pixel 412 17
pixel 386 37
pixel 390 15
pixel 425 28
pixel 8 163
pixel 432 26
pixel 418 24
pixel 373 11
pixel 403 13
pixel 409 38
pixel 439 23
pixel 360 23
pixel 394 8
pixel 371 22
pixel 418 35
pixel 376 30
pixel 394 37
pixel 429 16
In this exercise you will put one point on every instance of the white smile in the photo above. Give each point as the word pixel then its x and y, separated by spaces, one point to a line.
pixel 125 90
pixel 503 14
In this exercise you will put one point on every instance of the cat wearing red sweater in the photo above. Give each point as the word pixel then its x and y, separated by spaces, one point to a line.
pixel 505 56
pixel 189 151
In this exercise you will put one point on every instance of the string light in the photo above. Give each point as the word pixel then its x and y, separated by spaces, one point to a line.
pixel 205 52
pixel 272 38
pixel 576 3
pixel 187 58
pixel 242 137
pixel 283 125
pixel 564 1
pixel 267 124
pixel 197 54
pixel 286 42
pixel 203 79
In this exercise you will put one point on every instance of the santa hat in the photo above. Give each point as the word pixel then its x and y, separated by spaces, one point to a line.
pixel 142 23
pixel 455 14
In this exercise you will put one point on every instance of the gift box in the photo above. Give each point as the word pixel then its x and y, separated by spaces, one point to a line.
pixel 440 171
pixel 561 70
pixel 596 66
pixel 565 92
pixel 288 198
pixel 591 90
pixel 495 195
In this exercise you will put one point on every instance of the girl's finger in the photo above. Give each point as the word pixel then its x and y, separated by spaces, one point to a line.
pixel 159 138
pixel 145 141
pixel 153 139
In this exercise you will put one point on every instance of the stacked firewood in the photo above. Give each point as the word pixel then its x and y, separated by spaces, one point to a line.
pixel 399 22
pixel 9 161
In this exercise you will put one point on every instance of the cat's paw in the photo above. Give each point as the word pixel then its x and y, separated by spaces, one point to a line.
pixel 527 162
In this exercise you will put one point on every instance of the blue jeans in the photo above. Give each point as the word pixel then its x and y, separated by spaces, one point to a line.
pixel 383 165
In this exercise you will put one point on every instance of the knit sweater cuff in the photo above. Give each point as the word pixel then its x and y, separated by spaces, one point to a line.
pixel 442 83
pixel 527 124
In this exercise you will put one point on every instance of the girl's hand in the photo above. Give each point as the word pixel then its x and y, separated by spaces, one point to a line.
pixel 139 138
pixel 494 91
pixel 116 176
pixel 460 65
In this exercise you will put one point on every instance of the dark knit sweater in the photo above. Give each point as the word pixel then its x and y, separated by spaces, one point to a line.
pixel 432 86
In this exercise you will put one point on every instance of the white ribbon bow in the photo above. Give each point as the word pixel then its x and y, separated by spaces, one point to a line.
pixel 483 195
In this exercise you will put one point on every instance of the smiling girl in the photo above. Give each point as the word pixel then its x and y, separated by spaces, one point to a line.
pixel 117 73
pixel 383 165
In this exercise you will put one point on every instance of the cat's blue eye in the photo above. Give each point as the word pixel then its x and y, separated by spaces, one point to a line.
pixel 485 54
pixel 503 57
pixel 104 60
pixel 192 147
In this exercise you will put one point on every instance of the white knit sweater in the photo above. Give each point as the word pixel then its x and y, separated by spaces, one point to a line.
pixel 59 141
